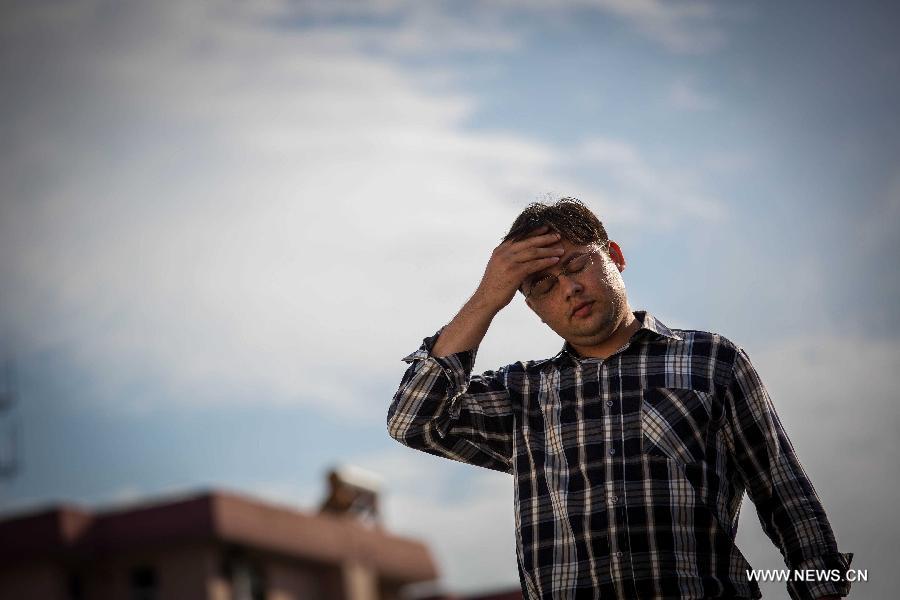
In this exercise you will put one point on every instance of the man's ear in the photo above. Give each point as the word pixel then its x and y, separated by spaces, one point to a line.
pixel 615 253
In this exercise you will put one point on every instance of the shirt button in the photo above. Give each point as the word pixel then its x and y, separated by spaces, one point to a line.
pixel 612 451
pixel 613 499
pixel 618 555
pixel 609 402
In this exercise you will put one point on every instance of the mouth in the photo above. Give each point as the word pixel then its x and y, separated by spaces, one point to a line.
pixel 582 309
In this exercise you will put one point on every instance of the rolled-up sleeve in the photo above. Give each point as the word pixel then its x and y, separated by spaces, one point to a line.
pixel 787 504
pixel 442 409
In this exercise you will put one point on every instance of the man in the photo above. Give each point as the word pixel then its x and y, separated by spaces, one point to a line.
pixel 631 448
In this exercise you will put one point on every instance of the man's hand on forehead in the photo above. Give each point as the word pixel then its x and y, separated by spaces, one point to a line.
pixel 510 263
pixel 513 261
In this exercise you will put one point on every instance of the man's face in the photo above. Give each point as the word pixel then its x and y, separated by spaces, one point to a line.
pixel 586 307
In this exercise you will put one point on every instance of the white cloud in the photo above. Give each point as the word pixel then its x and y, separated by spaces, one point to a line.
pixel 684 95
pixel 691 27
pixel 830 388
pixel 646 192
pixel 236 211
pixel 291 493
pixel 681 27
pixel 875 230
pixel 266 232
pixel 402 27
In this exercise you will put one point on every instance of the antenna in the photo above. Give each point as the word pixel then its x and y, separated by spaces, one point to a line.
pixel 10 432
pixel 353 491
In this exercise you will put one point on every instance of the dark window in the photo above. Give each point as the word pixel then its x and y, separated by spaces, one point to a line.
pixel 247 582
pixel 75 587
pixel 245 575
pixel 144 584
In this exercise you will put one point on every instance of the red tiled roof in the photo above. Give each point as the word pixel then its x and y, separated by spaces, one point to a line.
pixel 67 530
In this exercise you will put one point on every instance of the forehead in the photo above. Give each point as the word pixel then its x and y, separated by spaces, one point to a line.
pixel 572 248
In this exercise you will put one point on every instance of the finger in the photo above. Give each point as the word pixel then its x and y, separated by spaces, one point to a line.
pixel 544 239
pixel 526 254
pixel 539 264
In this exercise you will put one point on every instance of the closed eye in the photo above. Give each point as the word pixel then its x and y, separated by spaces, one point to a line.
pixel 544 285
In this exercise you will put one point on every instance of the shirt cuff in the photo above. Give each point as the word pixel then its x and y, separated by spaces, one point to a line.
pixel 457 367
pixel 828 577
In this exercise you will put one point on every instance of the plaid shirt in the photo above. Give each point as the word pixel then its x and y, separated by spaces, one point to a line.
pixel 629 471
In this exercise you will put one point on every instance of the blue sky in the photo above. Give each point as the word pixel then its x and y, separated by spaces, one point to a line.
pixel 223 225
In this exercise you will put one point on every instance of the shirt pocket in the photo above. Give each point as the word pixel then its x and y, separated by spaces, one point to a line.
pixel 675 423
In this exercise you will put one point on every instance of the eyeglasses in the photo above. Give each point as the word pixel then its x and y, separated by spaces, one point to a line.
pixel 544 286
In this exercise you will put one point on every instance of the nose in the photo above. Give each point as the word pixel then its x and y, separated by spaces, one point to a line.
pixel 569 285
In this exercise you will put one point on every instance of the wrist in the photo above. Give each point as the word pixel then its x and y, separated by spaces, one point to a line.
pixel 486 303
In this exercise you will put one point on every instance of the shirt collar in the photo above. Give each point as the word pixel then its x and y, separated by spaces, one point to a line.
pixel 653 326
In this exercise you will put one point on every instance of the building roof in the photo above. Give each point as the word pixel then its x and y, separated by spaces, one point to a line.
pixel 66 530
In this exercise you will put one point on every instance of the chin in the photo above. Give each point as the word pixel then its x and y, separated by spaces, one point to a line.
pixel 598 331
